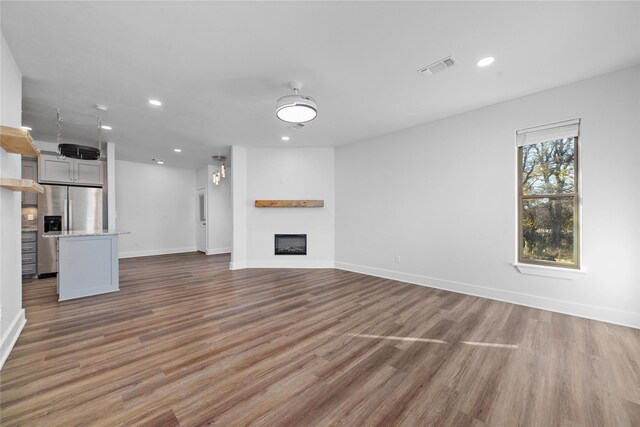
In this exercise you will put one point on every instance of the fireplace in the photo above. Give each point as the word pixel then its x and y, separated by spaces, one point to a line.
pixel 290 244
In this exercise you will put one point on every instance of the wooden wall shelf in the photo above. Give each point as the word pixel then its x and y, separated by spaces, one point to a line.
pixel 19 141
pixel 24 185
pixel 289 203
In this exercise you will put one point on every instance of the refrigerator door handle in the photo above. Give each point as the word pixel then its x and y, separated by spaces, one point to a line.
pixel 70 213
pixel 65 223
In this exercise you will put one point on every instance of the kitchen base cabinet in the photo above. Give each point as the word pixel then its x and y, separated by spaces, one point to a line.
pixel 29 253
pixel 87 262
pixel 87 266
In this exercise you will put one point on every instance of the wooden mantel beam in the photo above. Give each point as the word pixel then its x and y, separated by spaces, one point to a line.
pixel 289 203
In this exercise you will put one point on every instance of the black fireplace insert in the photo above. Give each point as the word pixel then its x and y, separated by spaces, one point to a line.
pixel 290 244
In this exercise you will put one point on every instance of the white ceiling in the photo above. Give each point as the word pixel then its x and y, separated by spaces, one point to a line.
pixel 220 66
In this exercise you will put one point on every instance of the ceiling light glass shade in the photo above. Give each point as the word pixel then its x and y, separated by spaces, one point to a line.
pixel 485 61
pixel 296 108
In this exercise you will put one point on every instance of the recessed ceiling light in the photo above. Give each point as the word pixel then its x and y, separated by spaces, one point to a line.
pixel 285 138
pixel 25 128
pixel 106 127
pixel 158 161
pixel 485 61
pixel 155 102
pixel 177 150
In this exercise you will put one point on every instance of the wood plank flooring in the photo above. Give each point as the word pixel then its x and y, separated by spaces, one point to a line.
pixel 188 342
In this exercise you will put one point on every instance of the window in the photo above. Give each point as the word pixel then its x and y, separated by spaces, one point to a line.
pixel 548 196
pixel 201 207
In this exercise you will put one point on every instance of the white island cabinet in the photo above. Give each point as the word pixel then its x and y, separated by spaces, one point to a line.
pixel 87 262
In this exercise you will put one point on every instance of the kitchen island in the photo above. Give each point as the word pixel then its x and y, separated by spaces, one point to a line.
pixel 87 262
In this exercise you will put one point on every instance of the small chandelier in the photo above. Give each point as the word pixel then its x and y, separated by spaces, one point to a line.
pixel 220 173
pixel 296 108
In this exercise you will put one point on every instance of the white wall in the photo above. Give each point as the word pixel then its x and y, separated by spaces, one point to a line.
pixel 219 210
pixel 442 197
pixel 157 204
pixel 12 317
pixel 51 147
pixel 240 206
pixel 287 173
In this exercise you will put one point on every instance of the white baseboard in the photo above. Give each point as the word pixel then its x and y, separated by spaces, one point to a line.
pixel 10 336
pixel 604 314
pixel 238 265
pixel 290 264
pixel 167 251
pixel 216 251
pixel 282 264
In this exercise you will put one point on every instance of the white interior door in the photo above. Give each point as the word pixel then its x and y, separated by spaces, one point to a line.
pixel 202 221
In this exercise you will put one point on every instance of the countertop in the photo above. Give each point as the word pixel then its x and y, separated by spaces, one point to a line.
pixel 82 233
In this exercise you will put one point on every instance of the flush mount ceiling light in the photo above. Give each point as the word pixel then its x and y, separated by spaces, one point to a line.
pixel 285 138
pixel 484 62
pixel 158 161
pixel 220 173
pixel 177 150
pixel 296 108
pixel 155 102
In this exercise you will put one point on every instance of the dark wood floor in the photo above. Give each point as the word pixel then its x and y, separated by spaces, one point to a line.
pixel 188 342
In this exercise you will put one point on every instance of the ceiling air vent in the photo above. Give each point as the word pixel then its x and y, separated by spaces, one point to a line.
pixel 438 66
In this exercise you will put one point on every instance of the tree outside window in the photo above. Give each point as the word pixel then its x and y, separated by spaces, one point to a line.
pixel 548 203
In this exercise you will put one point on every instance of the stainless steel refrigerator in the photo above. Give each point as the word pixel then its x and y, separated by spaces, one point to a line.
pixel 64 208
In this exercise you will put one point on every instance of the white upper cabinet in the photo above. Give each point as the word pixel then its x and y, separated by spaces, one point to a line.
pixel 88 172
pixel 52 169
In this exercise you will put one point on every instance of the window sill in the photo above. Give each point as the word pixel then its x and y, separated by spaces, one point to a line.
pixel 546 271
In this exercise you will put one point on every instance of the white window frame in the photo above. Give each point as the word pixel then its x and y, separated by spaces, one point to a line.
pixel 569 128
